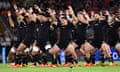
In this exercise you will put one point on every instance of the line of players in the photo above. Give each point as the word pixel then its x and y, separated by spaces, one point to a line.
pixel 40 31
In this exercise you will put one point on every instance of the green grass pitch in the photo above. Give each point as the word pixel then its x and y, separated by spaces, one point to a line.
pixel 97 68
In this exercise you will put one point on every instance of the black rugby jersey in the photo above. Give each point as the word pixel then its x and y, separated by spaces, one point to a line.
pixel 66 32
pixel 99 29
pixel 112 33
pixel 80 31
pixel 43 31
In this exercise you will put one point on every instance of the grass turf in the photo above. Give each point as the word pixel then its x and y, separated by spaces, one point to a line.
pixel 97 68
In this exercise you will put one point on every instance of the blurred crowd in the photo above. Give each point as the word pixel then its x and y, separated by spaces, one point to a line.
pixel 77 4
pixel 5 41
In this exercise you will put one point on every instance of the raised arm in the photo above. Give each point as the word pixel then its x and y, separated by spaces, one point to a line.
pixel 86 16
pixel 52 18
pixel 82 18
pixel 37 8
pixel 10 19
pixel 15 7
pixel 111 19
pixel 73 18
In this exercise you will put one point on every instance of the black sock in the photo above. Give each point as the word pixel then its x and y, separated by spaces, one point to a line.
pixel 25 59
pixel 56 61
pixel 58 58
pixel 111 59
pixel 87 60
pixel 66 59
pixel 18 59
pixel 22 58
pixel 52 58
pixel 70 59
pixel 15 60
pixel 92 59
pixel 38 59
pixel 76 61
pixel 35 59
pixel 102 58
pixel 44 60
